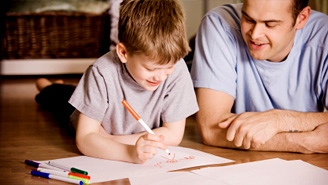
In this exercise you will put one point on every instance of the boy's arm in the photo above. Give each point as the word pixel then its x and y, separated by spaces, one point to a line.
pixel 92 142
pixel 172 132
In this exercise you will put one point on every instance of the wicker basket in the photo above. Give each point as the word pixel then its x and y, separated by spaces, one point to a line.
pixel 56 35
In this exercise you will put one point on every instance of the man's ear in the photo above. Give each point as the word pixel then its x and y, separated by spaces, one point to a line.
pixel 302 18
pixel 121 52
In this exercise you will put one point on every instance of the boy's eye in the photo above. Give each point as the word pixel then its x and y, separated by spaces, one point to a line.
pixel 150 69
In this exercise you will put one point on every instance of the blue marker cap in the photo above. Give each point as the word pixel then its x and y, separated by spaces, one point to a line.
pixel 40 174
pixel 32 163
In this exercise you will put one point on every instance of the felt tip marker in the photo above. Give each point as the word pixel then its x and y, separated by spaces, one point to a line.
pixel 138 118
pixel 85 181
pixel 67 168
pixel 55 177
pixel 38 165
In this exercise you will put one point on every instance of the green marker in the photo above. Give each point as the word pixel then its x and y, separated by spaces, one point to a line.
pixel 66 168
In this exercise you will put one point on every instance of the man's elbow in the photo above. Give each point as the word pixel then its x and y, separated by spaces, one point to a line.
pixel 213 136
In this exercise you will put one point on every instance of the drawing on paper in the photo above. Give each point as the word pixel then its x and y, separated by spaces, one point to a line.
pixel 172 160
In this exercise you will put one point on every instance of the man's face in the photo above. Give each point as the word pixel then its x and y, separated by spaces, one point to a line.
pixel 267 28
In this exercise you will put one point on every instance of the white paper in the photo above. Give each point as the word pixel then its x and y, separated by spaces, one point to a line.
pixel 173 178
pixel 268 172
pixel 102 170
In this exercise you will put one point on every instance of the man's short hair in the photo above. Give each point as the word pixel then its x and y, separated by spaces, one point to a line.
pixel 297 7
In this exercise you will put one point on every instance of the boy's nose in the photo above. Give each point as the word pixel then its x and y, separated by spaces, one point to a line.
pixel 162 75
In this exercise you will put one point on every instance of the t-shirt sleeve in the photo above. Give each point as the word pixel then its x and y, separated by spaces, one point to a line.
pixel 325 86
pixel 180 102
pixel 90 95
pixel 215 54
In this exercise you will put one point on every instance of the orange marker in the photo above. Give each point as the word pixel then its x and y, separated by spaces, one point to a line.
pixel 138 118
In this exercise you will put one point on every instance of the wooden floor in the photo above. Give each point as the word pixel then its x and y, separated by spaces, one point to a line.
pixel 27 132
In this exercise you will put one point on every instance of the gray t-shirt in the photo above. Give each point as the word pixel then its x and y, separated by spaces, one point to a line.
pixel 106 83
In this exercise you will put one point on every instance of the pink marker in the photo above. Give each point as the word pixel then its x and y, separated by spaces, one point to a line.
pixel 138 118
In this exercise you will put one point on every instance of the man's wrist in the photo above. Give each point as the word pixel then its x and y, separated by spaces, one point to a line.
pixel 300 142
pixel 289 121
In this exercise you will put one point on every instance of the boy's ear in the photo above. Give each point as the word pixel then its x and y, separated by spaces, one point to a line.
pixel 121 52
pixel 303 17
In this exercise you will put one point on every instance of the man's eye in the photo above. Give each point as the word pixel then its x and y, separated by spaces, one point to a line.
pixel 250 21
pixel 270 25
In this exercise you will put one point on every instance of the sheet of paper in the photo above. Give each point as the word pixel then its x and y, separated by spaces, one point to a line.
pixel 105 170
pixel 268 172
pixel 173 178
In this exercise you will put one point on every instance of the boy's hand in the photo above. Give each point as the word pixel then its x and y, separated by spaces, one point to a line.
pixel 146 147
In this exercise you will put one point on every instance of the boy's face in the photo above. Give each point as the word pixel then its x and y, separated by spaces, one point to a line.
pixel 148 73
pixel 267 28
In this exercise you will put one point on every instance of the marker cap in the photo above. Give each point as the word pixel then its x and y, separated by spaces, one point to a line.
pixel 40 174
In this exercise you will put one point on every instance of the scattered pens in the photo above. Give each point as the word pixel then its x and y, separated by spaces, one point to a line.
pixel 56 177
pixel 67 168
pixel 52 170
pixel 138 118
pixel 64 173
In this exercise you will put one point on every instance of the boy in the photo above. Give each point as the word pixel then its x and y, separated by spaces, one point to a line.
pixel 148 71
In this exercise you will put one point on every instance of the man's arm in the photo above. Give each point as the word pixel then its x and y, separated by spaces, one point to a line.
pixel 315 141
pixel 214 107
pixel 253 129
pixel 267 131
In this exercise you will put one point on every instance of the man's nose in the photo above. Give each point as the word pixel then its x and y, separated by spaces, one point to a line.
pixel 257 31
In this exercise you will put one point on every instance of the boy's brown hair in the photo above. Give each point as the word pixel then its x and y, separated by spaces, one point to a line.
pixel 155 28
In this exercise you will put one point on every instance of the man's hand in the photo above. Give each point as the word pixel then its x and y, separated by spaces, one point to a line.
pixel 252 129
pixel 146 147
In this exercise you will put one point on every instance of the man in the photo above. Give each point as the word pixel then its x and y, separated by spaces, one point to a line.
pixel 260 71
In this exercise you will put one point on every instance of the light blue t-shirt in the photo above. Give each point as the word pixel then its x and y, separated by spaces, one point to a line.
pixel 222 62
